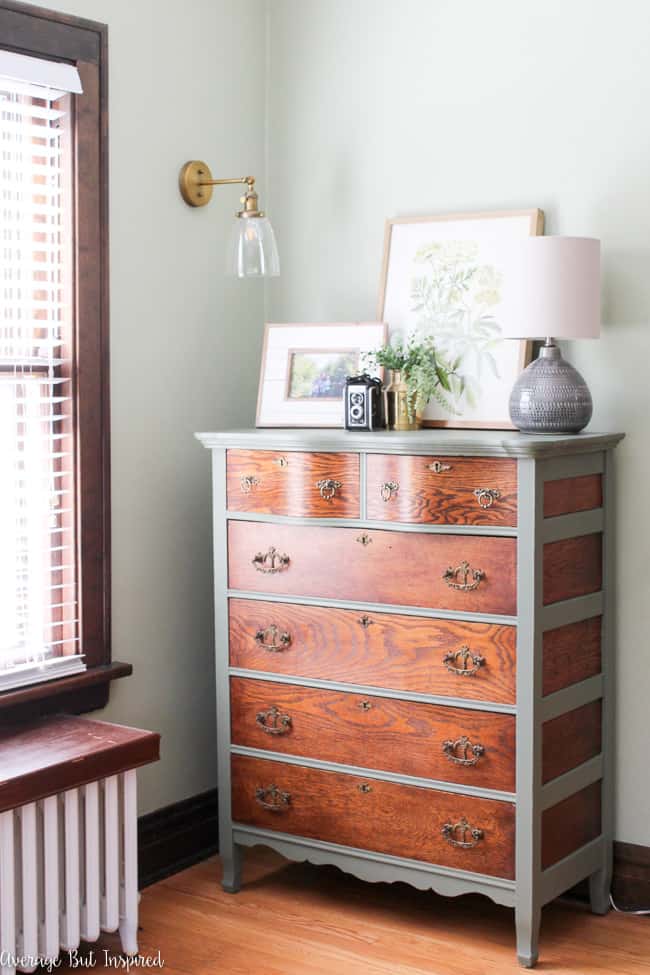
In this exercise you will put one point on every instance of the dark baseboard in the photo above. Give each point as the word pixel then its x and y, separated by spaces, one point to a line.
pixel 631 884
pixel 186 832
pixel 630 881
pixel 177 837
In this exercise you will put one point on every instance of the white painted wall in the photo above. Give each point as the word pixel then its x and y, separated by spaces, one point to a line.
pixel 385 107
pixel 185 345
pixel 374 108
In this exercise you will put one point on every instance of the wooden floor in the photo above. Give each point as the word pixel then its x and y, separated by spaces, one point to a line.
pixel 297 919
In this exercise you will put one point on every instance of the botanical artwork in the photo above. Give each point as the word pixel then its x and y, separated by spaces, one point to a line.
pixel 318 375
pixel 444 281
pixel 454 296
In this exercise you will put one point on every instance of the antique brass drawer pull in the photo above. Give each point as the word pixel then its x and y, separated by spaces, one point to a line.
pixel 486 496
pixel 273 722
pixel 462 752
pixel 270 561
pixel 248 482
pixel 364 787
pixel 388 489
pixel 463 572
pixel 438 468
pixel 456 834
pixel 365 539
pixel 463 654
pixel 272 639
pixel 328 488
pixel 272 798
pixel 365 621
pixel 365 705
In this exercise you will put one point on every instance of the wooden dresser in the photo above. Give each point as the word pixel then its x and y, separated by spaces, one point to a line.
pixel 413 634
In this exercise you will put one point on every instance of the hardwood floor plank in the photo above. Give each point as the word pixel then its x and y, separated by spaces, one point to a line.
pixel 297 919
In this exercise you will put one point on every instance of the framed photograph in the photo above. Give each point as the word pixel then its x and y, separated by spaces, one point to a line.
pixel 304 368
pixel 444 276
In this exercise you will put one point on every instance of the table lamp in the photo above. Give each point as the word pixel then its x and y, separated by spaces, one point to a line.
pixel 551 290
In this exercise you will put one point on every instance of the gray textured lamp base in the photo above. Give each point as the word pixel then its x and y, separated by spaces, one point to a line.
pixel 550 396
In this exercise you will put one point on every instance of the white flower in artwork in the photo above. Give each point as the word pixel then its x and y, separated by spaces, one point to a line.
pixel 448 252
pixel 453 296
pixel 486 286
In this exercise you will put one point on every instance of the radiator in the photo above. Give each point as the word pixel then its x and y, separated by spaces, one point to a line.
pixel 68 871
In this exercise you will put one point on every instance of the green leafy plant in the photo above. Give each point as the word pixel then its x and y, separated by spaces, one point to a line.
pixel 427 373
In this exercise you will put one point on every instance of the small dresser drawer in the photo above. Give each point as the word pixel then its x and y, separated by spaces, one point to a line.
pixel 442 490
pixel 405 821
pixel 470 574
pixel 295 484
pixel 475 661
pixel 423 740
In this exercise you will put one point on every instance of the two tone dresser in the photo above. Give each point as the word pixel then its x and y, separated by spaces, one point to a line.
pixel 413 645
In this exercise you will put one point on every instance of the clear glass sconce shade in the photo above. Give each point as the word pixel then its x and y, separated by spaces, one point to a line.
pixel 253 252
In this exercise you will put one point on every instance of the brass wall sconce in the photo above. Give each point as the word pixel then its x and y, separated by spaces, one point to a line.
pixel 252 251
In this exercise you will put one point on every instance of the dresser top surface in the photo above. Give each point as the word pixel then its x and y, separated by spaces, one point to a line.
pixel 487 443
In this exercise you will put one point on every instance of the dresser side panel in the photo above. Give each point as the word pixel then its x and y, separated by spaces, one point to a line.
pixel 228 851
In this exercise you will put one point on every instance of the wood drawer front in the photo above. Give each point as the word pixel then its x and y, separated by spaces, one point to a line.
pixel 424 740
pixel 475 661
pixel 374 566
pixel 399 820
pixel 442 490
pixel 297 484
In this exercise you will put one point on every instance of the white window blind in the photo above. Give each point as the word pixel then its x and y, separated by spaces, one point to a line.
pixel 38 592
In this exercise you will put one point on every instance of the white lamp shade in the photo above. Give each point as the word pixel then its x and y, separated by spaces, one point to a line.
pixel 552 288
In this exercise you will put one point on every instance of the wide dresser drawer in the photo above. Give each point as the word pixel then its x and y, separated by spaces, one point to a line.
pixel 462 832
pixel 442 490
pixel 318 485
pixel 475 661
pixel 409 738
pixel 451 572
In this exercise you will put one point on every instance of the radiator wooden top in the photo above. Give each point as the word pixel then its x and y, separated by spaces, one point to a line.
pixel 41 758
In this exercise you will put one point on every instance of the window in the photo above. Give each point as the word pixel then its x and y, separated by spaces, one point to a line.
pixel 54 501
pixel 38 601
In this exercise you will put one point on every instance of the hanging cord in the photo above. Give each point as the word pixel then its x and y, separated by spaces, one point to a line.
pixel 622 910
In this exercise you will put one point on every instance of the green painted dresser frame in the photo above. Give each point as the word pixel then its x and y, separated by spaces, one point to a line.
pixel 539 459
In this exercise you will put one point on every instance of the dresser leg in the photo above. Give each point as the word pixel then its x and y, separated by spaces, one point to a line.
pixel 528 922
pixel 599 887
pixel 232 864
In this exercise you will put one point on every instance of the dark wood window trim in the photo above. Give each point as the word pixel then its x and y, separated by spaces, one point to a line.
pixel 42 33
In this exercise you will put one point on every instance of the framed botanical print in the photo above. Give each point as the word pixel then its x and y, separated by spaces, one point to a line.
pixel 304 368
pixel 443 277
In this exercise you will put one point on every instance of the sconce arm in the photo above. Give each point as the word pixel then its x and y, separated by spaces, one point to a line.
pixel 195 182
pixel 249 180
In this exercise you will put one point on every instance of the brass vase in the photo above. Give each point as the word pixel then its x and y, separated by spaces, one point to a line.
pixel 398 400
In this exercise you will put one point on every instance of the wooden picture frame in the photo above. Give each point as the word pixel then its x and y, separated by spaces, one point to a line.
pixel 347 341
pixel 485 236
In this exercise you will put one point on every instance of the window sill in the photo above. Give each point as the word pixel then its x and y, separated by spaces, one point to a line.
pixel 77 693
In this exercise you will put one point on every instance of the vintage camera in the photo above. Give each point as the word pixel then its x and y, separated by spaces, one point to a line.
pixel 364 403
